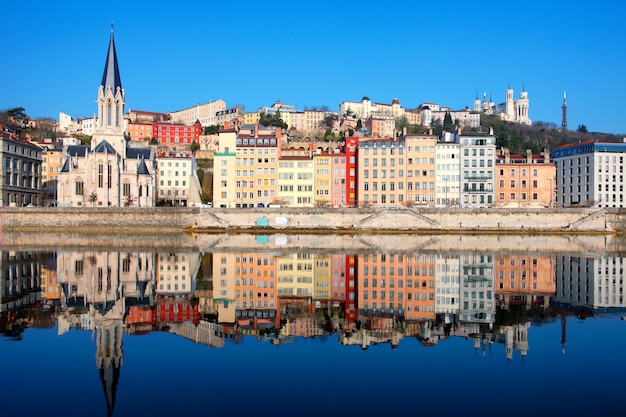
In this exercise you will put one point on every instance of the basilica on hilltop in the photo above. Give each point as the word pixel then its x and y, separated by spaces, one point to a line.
pixel 511 110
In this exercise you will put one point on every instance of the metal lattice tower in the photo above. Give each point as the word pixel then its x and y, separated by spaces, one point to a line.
pixel 564 107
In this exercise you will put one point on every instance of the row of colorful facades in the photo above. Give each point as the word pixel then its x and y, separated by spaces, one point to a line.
pixel 260 290
pixel 252 168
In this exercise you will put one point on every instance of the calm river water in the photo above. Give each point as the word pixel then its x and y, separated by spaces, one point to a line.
pixel 281 326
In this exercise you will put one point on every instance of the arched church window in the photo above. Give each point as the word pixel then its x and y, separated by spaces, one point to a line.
pixel 117 114
pixel 110 175
pixel 109 113
pixel 79 186
pixel 100 175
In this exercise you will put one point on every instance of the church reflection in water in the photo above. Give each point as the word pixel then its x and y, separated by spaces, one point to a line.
pixel 364 299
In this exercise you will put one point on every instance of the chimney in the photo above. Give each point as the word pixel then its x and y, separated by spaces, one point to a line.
pixel 491 130
pixel 256 130
pixel 529 156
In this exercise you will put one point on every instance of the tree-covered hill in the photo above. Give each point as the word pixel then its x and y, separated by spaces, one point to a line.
pixel 538 137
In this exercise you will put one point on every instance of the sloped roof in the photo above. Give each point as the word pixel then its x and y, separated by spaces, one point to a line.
pixel 105 147
pixel 142 168
pixel 138 153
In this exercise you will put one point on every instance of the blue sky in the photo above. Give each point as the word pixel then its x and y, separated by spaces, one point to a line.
pixel 320 53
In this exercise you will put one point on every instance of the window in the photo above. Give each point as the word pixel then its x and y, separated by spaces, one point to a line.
pixel 79 187
pixel 126 191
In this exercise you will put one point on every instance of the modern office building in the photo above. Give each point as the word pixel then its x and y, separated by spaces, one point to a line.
pixel 590 174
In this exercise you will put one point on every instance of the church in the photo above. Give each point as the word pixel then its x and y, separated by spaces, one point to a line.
pixel 511 110
pixel 109 172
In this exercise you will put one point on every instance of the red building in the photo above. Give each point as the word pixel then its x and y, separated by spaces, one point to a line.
pixel 173 309
pixel 351 150
pixel 167 134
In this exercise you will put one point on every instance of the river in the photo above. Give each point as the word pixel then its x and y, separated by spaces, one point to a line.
pixel 278 324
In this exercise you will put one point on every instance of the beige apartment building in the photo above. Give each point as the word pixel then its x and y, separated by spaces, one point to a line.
pixel 380 163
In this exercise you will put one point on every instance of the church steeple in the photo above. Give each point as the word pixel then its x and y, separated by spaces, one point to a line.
pixel 111 76
pixel 111 94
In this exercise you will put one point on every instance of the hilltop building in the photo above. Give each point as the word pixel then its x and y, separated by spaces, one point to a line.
pixel 205 113
pixel 511 110
pixel 110 172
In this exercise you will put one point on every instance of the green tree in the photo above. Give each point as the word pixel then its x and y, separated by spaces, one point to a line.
pixel 272 120
pixel 195 146
pixel 582 129
pixel 359 124
pixel 402 122
pixel 212 129
pixel 448 125
pixel 437 127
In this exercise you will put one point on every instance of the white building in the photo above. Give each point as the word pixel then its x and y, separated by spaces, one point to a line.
pixel 366 109
pixel 206 113
pixel 177 273
pixel 477 294
pixel 511 110
pixel 448 174
pixel 590 174
pixel 478 165
pixel 590 283
pixel 447 284
pixel 178 182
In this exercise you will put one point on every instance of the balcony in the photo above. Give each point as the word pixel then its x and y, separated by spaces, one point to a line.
pixel 476 190
pixel 477 178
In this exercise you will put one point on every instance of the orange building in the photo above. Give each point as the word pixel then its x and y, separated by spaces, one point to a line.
pixel 256 299
pixel 524 181
pixel 397 284
pixel 524 279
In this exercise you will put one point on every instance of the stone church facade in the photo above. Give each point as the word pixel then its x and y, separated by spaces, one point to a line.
pixel 109 172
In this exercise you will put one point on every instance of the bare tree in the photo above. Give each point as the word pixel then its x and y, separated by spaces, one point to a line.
pixel 92 198
pixel 129 200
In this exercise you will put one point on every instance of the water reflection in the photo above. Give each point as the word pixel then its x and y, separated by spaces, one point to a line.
pixel 365 299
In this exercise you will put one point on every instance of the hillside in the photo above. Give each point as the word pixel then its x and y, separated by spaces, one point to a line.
pixel 538 137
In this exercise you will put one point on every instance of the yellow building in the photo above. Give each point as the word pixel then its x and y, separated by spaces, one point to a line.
pixel 245 167
pixel 251 118
pixel 322 278
pixel 322 161
pixel 50 167
pixel 296 178
pixel 295 275
pixel 421 166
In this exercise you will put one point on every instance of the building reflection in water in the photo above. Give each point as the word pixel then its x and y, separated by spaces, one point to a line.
pixel 364 299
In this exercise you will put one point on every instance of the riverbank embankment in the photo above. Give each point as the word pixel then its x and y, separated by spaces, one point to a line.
pixel 315 220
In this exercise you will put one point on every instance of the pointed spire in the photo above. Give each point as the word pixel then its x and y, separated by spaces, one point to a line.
pixel 111 77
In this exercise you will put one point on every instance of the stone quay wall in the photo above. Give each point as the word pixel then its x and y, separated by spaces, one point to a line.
pixel 314 220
